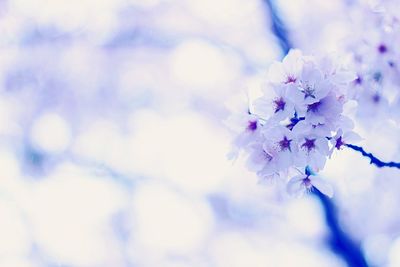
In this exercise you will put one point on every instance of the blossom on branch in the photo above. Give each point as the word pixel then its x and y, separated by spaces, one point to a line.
pixel 297 120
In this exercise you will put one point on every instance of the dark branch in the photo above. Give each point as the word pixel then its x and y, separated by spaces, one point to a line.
pixel 339 240
pixel 374 160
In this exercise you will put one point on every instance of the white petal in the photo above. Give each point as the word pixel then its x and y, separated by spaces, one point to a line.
pixel 294 94
pixel 238 123
pixel 322 146
pixel 279 90
pixel 267 171
pixel 315 118
pixel 323 186
pixel 346 123
pixel 344 77
pixel 233 154
pixel 292 62
pixel 295 185
pixel 352 137
pixel 255 162
pixel 263 107
pixel 292 57
pixel 317 161
pixel 285 160
pixel 257 158
pixel 302 127
pixel 300 158
pixel 324 88
pixel 276 73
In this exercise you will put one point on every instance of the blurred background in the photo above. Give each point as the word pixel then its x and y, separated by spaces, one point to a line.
pixel 113 148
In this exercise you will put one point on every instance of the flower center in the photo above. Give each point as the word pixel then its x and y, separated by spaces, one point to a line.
pixel 267 156
pixel 252 126
pixel 382 48
pixel 279 104
pixel 285 143
pixel 309 91
pixel 376 98
pixel 307 182
pixel 314 107
pixel 377 77
pixel 309 144
pixel 339 143
pixel 290 79
pixel 359 80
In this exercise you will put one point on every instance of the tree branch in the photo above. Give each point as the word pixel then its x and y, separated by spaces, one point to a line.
pixel 374 160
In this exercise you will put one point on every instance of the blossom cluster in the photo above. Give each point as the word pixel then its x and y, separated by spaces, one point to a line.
pixel 294 127
pixel 376 60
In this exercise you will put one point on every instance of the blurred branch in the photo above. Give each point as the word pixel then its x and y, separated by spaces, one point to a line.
pixel 278 27
pixel 101 169
pixel 339 241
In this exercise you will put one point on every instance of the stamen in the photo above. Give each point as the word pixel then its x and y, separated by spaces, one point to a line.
pixel 382 48
pixel 290 79
pixel 252 126
pixel 314 107
pixel 309 144
pixel 279 104
pixel 285 143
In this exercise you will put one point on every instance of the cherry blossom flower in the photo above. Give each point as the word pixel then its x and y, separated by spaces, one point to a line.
pixel 288 71
pixel 341 139
pixel 303 183
pixel 376 60
pixel 263 159
pixel 281 139
pixel 372 104
pixel 312 152
pixel 247 128
pixel 274 104
pixel 326 110
pixel 313 84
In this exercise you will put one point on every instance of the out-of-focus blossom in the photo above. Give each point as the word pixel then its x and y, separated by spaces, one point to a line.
pixel 376 60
